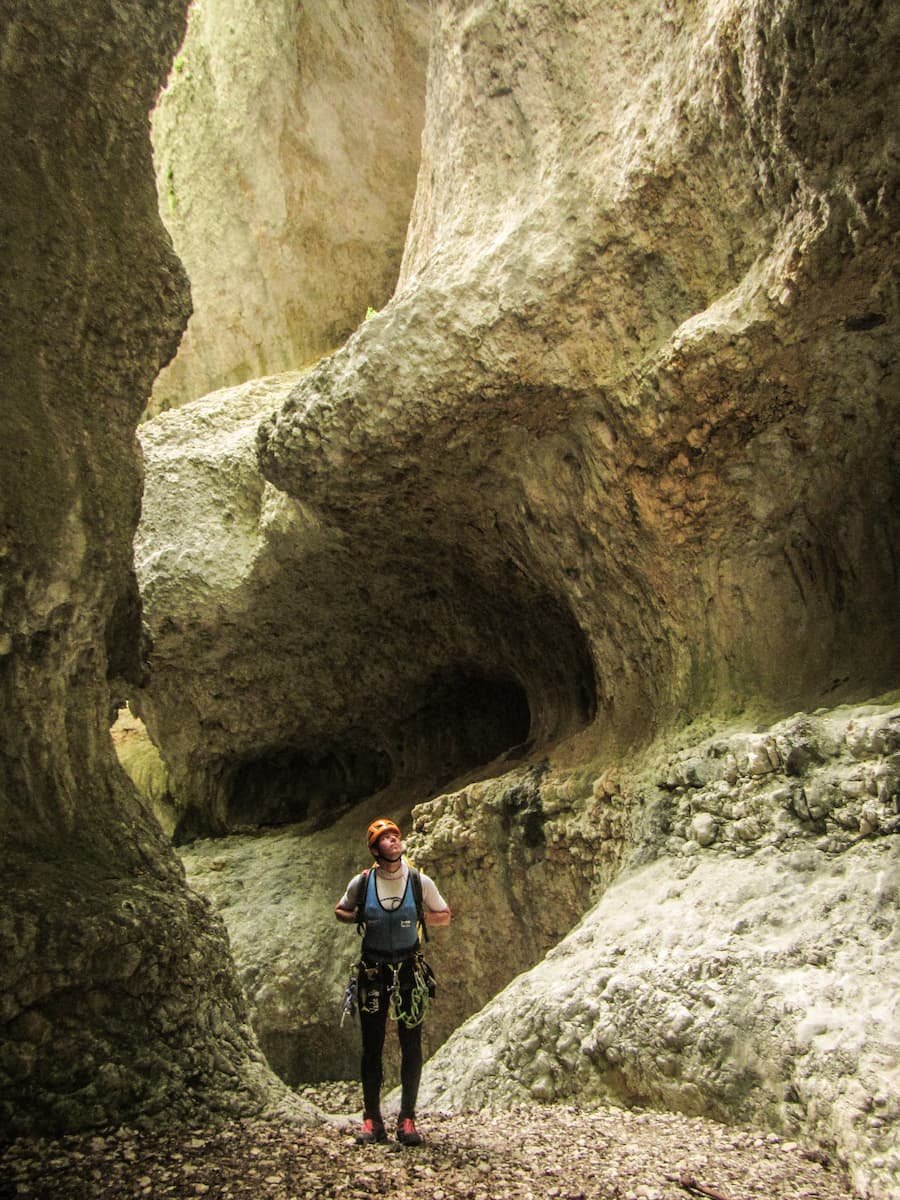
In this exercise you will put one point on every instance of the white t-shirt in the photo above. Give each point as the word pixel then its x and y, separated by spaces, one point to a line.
pixel 390 889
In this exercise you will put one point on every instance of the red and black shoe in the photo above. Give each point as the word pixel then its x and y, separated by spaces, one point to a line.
pixel 372 1131
pixel 407 1134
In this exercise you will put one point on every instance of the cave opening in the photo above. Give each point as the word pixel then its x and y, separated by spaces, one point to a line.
pixel 287 785
pixel 468 719
pixel 460 720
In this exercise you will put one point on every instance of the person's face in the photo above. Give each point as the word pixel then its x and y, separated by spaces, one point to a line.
pixel 389 846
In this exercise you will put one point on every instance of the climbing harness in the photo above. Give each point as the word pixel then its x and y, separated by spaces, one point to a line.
pixel 407 999
pixel 418 995
pixel 351 993
pixel 407 1005
pixel 371 997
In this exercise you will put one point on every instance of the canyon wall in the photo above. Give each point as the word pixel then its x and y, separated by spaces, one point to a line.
pixel 740 958
pixel 621 449
pixel 286 147
pixel 118 998
pixel 538 561
pixel 616 465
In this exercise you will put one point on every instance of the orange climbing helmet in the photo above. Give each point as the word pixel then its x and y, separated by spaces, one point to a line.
pixel 377 828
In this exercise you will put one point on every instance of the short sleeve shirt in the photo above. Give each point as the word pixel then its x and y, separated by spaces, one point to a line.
pixel 390 891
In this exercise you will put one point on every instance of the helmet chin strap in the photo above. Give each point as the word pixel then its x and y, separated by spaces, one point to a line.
pixel 380 858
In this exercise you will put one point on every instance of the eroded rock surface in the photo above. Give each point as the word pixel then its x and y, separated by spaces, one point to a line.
pixel 642 347
pixel 117 994
pixel 622 445
pixel 620 452
pixel 287 144
pixel 144 766
pixel 615 452
pixel 296 669
pixel 750 978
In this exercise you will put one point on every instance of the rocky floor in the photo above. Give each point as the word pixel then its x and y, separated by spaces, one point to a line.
pixel 555 1153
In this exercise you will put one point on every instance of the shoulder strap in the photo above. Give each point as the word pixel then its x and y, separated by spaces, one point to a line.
pixel 416 880
pixel 361 901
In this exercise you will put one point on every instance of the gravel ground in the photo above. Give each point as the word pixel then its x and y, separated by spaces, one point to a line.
pixel 552 1153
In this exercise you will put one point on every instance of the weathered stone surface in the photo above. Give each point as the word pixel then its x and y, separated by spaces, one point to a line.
pixel 725 957
pixel 620 454
pixel 635 396
pixel 117 995
pixel 757 988
pixel 144 766
pixel 287 144
pixel 296 669
pixel 276 891
pixel 630 400
pixel 643 346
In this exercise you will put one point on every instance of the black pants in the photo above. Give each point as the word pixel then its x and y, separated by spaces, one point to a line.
pixel 374 1029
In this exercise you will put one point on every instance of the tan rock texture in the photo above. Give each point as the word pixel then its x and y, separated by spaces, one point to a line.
pixel 295 669
pixel 750 980
pixel 643 346
pixel 117 993
pixel 621 451
pixel 619 455
pixel 144 766
pixel 635 397
pixel 287 144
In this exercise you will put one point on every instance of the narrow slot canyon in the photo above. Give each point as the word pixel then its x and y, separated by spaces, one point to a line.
pixel 481 416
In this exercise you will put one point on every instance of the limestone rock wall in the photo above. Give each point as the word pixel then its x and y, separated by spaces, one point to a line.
pixel 505 841
pixel 741 967
pixel 624 443
pixel 737 957
pixel 296 669
pixel 621 450
pixel 117 995
pixel 144 766
pixel 622 447
pixel 642 345
pixel 287 144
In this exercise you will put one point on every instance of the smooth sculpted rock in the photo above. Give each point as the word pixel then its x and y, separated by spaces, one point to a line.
pixel 496 847
pixel 287 144
pixel 618 451
pixel 758 995
pixel 118 998
pixel 643 347
pixel 614 452
pixel 522 857
pixel 751 977
pixel 296 669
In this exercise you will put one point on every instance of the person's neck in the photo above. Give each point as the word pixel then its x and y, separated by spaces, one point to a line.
pixel 390 868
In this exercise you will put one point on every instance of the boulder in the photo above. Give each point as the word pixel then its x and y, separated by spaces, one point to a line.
pixel 750 979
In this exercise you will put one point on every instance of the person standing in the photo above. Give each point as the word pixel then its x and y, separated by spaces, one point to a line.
pixel 388 902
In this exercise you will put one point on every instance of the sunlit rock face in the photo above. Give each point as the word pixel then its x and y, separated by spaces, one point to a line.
pixel 286 143
pixel 118 999
pixel 618 451
pixel 618 456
